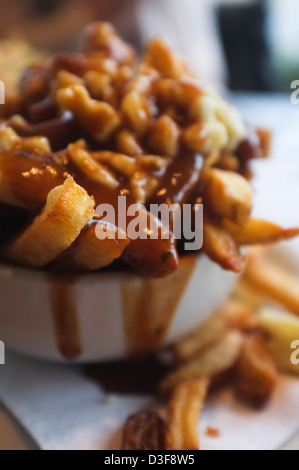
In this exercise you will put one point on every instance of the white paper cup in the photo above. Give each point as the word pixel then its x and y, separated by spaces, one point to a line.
pixel 105 316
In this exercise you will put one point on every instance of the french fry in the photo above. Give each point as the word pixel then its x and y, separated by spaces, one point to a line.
pixel 247 294
pixel 97 117
pixel 257 232
pixel 91 167
pixel 265 137
pixel 121 163
pixel 227 194
pixel 137 111
pixel 89 253
pixel 9 140
pixel 144 431
pixel 228 162
pixel 127 143
pixel 153 162
pixel 221 247
pixel 67 211
pixel 164 137
pixel 256 375
pixel 206 138
pixel 164 59
pixel 233 314
pixel 184 410
pixel 20 171
pixel 219 358
pixel 102 37
pixel 152 258
pixel 283 330
pixel 273 282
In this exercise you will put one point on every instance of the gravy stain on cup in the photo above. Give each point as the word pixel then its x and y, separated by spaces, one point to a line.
pixel 149 307
pixel 65 314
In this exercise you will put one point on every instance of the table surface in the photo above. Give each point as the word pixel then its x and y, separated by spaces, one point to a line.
pixel 273 111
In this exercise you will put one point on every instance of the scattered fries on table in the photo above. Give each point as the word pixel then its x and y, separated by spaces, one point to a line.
pixel 256 374
pixel 233 314
pixel 144 431
pixel 258 232
pixel 221 247
pixel 219 358
pixel 185 407
pixel 274 283
pixel 246 341
pixel 283 331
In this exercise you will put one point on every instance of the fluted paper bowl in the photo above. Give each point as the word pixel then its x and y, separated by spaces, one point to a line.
pixel 106 315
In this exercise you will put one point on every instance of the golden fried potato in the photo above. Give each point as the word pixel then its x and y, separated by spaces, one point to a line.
pixel 89 253
pixel 85 161
pixel 164 59
pixel 184 409
pixel 265 137
pixel 100 119
pixel 164 137
pixel 257 232
pixel 228 162
pixel 221 247
pixel 127 143
pixel 102 37
pixel 153 258
pixel 100 87
pixel 205 137
pixel 67 211
pixel 256 375
pixel 10 140
pixel 233 314
pixel 27 178
pixel 220 357
pixel 137 111
pixel 227 194
pixel 274 283
pixel 123 164
pixel 245 293
pixel 144 431
pixel 283 330
pixel 64 79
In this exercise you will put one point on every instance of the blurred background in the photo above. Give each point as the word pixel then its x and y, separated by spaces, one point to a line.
pixel 246 44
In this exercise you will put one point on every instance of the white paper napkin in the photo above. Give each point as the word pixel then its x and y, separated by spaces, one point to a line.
pixel 60 408
pixel 63 410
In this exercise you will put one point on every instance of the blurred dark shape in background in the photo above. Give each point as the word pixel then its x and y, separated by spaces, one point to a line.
pixel 43 7
pixel 189 25
pixel 54 24
pixel 259 37
pixel 243 32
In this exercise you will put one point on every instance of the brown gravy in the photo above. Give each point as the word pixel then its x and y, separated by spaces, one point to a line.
pixel 150 305
pixel 65 314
